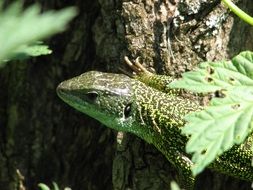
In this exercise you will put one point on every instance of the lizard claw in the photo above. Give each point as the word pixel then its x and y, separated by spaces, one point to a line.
pixel 137 67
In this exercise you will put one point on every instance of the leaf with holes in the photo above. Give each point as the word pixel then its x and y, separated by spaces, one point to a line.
pixel 226 121
pixel 213 76
pixel 214 130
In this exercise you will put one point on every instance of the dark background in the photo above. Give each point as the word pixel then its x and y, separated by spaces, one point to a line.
pixel 49 141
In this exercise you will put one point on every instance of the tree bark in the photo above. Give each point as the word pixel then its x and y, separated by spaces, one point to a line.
pixel 47 140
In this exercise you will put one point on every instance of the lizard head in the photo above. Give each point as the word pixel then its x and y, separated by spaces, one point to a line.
pixel 107 97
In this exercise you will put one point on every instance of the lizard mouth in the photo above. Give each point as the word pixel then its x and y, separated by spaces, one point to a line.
pixel 66 94
pixel 60 89
pixel 63 92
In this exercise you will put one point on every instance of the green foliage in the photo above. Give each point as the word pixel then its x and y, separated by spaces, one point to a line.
pixel 31 51
pixel 227 120
pixel 43 186
pixel 20 29
pixel 222 75
pixel 174 186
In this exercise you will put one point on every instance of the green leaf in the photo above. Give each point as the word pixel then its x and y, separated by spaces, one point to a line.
pixel 214 130
pixel 31 51
pixel 174 186
pixel 42 186
pixel 45 187
pixel 21 28
pixel 213 76
pixel 225 121
pixel 56 187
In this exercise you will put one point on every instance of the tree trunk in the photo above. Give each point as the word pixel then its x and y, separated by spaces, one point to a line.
pixel 47 141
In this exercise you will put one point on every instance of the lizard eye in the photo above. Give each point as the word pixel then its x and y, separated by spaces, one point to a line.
pixel 92 96
pixel 127 110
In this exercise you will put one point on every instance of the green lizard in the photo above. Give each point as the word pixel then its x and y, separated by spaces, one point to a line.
pixel 140 106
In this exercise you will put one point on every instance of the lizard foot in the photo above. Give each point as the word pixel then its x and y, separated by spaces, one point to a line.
pixel 137 67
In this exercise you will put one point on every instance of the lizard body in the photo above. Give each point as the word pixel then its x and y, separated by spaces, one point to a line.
pixel 126 104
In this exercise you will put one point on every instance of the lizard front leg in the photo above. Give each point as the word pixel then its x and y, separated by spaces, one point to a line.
pixel 159 82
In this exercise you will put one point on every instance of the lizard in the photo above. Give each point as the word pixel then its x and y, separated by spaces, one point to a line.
pixel 145 106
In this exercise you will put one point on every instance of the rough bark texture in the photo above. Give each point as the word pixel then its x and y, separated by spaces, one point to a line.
pixel 49 141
